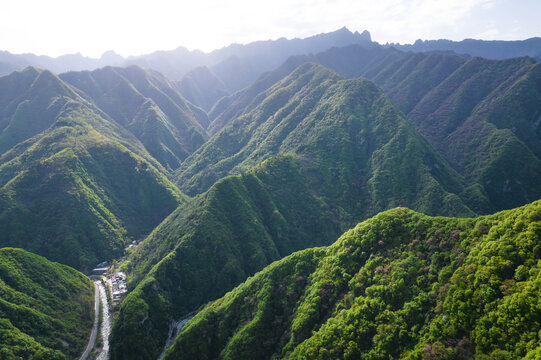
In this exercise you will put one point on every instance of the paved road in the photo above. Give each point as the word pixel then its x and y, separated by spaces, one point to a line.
pixel 105 324
pixel 94 332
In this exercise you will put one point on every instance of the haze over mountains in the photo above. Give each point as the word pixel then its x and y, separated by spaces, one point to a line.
pixel 221 164
pixel 495 49
pixel 253 58
pixel 237 66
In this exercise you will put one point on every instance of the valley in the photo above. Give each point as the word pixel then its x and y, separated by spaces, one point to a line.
pixel 317 198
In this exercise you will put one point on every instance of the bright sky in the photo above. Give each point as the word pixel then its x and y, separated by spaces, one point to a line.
pixel 134 27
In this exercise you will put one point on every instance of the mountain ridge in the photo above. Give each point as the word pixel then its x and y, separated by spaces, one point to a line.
pixel 351 135
pixel 450 99
pixel 400 284
pixel 490 49
pixel 186 59
pixel 92 160
pixel 76 187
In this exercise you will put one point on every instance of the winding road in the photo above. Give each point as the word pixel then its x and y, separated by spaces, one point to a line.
pixel 105 324
pixel 99 296
pixel 94 332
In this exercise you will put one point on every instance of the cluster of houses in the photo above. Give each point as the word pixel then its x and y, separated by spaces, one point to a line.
pixel 116 282
pixel 118 286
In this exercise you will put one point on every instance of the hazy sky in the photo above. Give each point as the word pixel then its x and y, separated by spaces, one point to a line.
pixel 133 27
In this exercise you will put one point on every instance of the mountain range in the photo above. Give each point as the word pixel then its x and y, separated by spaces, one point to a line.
pixel 225 167
pixel 348 161
pixel 253 58
pixel 494 49
pixel 75 185
pixel 477 113
pixel 237 66
pixel 342 137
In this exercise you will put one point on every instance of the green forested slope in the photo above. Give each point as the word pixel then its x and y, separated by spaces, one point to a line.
pixel 354 144
pixel 213 243
pixel 482 116
pixel 84 159
pixel 354 154
pixel 400 285
pixel 483 120
pixel 30 100
pixel 81 186
pixel 145 103
pixel 46 309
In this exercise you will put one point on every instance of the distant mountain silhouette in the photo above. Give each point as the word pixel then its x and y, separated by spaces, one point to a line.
pixel 174 64
pixel 237 66
pixel 72 62
pixel 495 49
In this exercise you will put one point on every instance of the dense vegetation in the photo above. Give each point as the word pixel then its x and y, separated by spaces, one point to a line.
pixel 147 105
pixel 76 186
pixel 357 149
pixel 400 285
pixel 46 309
pixel 337 129
pixel 213 243
pixel 288 163
pixel 481 116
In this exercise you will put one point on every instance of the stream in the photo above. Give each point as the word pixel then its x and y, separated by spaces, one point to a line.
pixel 105 328
pixel 174 330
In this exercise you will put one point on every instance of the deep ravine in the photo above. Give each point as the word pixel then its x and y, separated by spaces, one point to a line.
pixel 174 330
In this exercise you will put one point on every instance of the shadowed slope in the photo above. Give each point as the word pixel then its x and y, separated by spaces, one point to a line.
pixel 145 103
pixel 80 188
pixel 202 88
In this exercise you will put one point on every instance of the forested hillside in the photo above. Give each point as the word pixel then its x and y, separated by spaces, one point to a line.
pixel 348 135
pixel 400 285
pixel 145 103
pixel 74 185
pixel 273 164
pixel 352 149
pixel 46 309
pixel 213 243
pixel 345 137
pixel 481 116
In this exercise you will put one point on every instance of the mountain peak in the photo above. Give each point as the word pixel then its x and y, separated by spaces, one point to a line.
pixel 344 31
pixel 365 35
pixel 31 70
pixel 111 57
